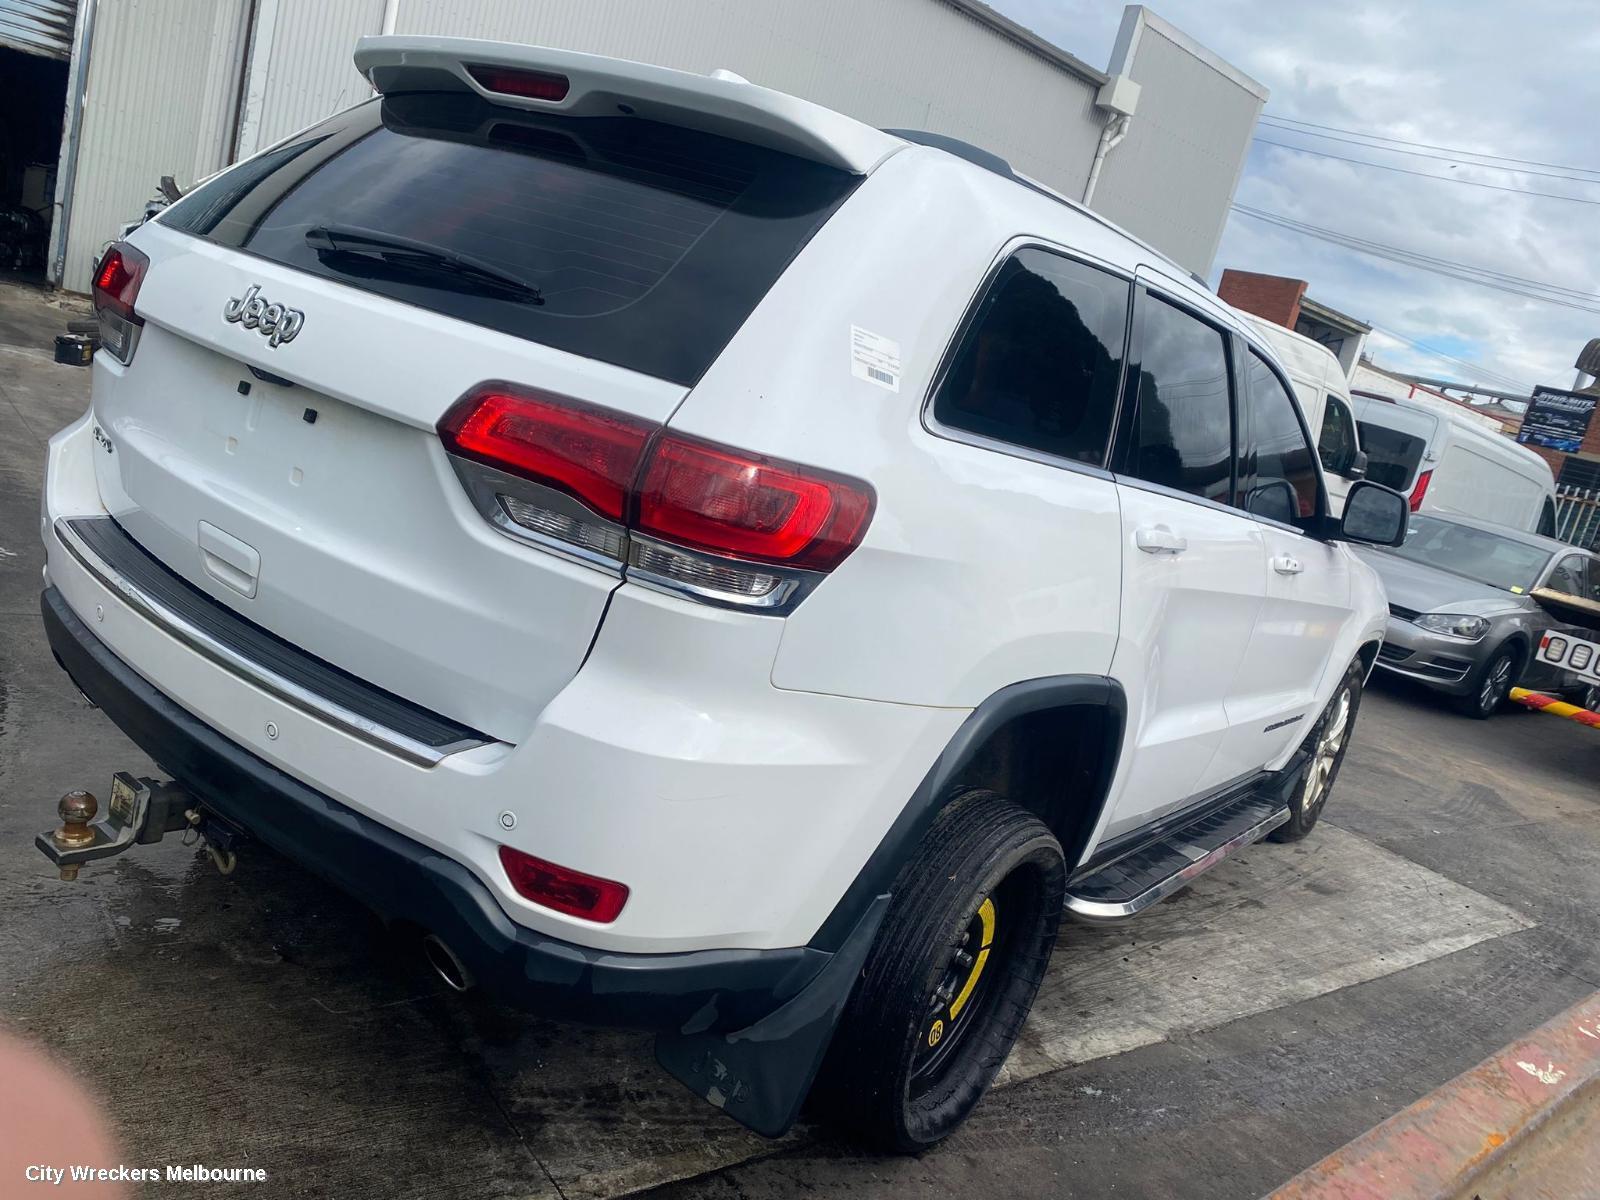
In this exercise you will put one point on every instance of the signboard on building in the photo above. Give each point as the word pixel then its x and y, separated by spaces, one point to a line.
pixel 1557 420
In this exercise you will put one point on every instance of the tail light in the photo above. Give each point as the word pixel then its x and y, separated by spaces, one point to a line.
pixel 1420 490
pixel 116 287
pixel 718 524
pixel 724 501
pixel 562 888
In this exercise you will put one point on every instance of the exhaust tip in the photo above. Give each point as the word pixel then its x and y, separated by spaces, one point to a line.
pixel 445 964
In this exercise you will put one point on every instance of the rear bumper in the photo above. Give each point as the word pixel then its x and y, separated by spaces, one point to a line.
pixel 404 880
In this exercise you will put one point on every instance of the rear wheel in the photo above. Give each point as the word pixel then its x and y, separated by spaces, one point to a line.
pixel 1492 684
pixel 950 977
pixel 1327 742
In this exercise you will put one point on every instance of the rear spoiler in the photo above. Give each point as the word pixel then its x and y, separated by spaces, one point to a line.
pixel 589 85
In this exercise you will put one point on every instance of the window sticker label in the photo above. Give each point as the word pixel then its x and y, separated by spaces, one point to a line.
pixel 875 358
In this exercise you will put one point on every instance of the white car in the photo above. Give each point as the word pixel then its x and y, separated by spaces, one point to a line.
pixel 712 565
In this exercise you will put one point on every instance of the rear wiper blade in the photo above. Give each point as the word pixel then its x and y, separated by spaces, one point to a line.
pixel 404 251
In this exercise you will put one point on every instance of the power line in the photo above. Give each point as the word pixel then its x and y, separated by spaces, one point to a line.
pixel 1434 157
pixel 1555 293
pixel 1532 162
pixel 1361 162
pixel 1460 362
pixel 1463 277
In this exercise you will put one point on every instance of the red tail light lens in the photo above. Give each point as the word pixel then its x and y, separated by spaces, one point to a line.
pixel 116 287
pixel 531 85
pixel 730 502
pixel 117 280
pixel 587 452
pixel 562 888
pixel 1420 490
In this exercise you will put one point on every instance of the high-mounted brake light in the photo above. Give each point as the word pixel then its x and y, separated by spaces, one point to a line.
pixel 715 523
pixel 562 888
pixel 116 287
pixel 1420 490
pixel 530 85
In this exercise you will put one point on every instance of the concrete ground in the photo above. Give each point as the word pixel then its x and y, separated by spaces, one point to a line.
pixel 1213 1048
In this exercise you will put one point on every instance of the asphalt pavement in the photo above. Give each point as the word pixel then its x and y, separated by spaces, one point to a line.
pixel 1213 1048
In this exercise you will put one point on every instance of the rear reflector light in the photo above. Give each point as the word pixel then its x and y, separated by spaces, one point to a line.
pixel 1420 490
pixel 562 888
pixel 730 502
pixel 587 453
pixel 530 85
pixel 116 287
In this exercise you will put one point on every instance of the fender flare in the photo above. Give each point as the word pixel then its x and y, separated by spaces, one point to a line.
pixel 877 877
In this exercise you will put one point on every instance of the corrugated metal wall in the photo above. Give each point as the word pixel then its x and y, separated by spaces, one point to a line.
pixel 917 64
pixel 166 78
pixel 1173 178
pixel 306 70
pixel 41 27
pixel 155 89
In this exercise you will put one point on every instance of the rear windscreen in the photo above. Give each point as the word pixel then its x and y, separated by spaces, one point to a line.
pixel 615 238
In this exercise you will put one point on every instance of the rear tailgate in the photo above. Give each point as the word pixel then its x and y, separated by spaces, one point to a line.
pixel 301 481
pixel 370 554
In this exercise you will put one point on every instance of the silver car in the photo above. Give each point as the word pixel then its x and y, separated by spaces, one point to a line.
pixel 1461 619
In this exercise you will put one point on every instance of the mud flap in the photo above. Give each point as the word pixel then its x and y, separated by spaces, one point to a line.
pixel 760 1075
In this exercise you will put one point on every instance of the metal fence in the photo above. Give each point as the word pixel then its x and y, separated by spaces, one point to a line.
pixel 1578 516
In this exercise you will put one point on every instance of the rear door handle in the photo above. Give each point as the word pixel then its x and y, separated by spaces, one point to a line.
pixel 1160 540
pixel 1286 564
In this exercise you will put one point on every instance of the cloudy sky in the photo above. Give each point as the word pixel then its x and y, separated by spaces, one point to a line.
pixel 1519 80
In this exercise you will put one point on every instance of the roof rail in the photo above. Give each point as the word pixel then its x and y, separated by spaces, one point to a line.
pixel 589 85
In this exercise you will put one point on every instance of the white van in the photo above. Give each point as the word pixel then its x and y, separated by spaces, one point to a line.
pixel 1324 395
pixel 1448 462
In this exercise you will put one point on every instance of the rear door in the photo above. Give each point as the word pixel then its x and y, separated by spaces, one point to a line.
pixel 288 465
pixel 1193 565
pixel 1398 442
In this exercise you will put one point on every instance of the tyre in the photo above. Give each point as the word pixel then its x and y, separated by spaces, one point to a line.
pixel 1588 697
pixel 949 979
pixel 1491 684
pixel 1327 742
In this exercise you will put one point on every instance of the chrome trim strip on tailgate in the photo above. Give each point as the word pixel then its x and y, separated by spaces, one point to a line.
pixel 321 707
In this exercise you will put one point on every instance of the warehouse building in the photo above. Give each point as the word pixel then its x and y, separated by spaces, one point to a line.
pixel 146 88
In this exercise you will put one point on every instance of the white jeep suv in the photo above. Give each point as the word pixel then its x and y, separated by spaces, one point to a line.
pixel 706 563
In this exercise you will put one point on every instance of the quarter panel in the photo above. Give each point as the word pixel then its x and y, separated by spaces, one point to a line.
pixel 979 568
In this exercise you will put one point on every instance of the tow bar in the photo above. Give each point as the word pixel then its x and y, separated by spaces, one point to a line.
pixel 142 811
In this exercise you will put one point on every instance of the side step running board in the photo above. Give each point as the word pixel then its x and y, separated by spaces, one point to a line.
pixel 1133 883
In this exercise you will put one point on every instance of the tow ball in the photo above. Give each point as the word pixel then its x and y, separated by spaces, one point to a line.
pixel 142 811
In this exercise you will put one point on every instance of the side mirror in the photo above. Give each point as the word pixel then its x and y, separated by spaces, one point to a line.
pixel 1374 514
pixel 1357 468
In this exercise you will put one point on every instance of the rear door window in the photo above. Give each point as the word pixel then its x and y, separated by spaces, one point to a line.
pixel 637 243
pixel 1041 359
pixel 1183 425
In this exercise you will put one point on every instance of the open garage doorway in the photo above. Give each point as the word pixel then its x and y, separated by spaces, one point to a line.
pixel 33 99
